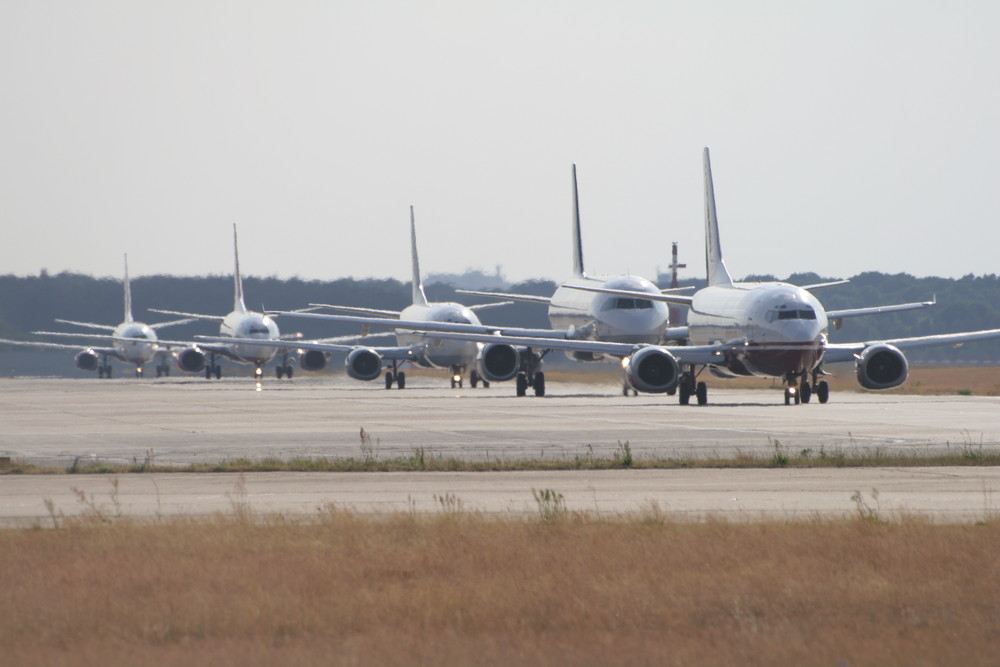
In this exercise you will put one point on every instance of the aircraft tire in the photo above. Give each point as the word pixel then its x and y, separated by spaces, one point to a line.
pixel 823 391
pixel 279 371
pixel 701 392
pixel 805 391
pixel 539 384
pixel 388 379
pixel 522 384
pixel 401 380
pixel 288 372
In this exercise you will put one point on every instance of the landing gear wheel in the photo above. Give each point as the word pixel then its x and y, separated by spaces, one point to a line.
pixel 823 391
pixel 218 372
pixel 473 379
pixel 107 372
pixel 279 371
pixel 401 380
pixel 159 371
pixel 539 384
pixel 288 372
pixel 701 392
pixel 805 391
pixel 522 384
pixel 486 385
pixel 788 396
pixel 389 379
pixel 684 392
pixel 208 372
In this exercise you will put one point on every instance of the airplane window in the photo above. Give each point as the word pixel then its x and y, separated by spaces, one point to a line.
pixel 805 314
pixel 643 304
pixel 259 330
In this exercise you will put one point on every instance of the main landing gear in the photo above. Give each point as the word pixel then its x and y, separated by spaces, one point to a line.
pixel 163 369
pixel 531 374
pixel 396 377
pixel 212 368
pixel 688 386
pixel 799 390
pixel 104 370
pixel 475 379
pixel 283 369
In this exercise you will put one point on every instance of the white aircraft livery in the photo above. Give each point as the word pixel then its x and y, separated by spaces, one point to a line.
pixel 250 329
pixel 132 342
pixel 632 319
pixel 773 329
pixel 366 363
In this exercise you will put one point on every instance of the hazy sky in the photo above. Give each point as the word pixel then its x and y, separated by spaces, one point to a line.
pixel 845 136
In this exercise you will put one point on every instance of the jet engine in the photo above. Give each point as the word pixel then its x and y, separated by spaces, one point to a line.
pixel 312 360
pixel 190 360
pixel 498 362
pixel 882 367
pixel 652 370
pixel 87 360
pixel 364 364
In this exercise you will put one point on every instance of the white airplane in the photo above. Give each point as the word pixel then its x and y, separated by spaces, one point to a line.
pixel 632 319
pixel 366 363
pixel 132 342
pixel 774 329
pixel 251 330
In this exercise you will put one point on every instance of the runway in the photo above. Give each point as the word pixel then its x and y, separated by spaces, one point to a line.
pixel 177 421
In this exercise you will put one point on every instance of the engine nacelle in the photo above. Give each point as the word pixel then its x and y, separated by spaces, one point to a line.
pixel 653 370
pixel 312 360
pixel 882 367
pixel 190 360
pixel 498 362
pixel 86 360
pixel 364 364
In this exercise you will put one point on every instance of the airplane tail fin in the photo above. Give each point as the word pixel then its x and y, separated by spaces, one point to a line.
pixel 238 304
pixel 715 267
pixel 577 243
pixel 128 294
pixel 419 298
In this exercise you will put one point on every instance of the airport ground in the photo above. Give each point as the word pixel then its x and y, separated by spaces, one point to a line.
pixel 627 566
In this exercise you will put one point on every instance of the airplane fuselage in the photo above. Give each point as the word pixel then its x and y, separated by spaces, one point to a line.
pixel 608 318
pixel 437 352
pixel 250 325
pixel 783 327
pixel 135 352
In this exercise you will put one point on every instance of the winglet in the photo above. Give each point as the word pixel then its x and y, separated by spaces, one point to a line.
pixel 419 298
pixel 715 267
pixel 577 243
pixel 128 294
pixel 238 304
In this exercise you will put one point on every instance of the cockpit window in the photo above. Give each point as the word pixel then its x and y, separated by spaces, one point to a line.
pixel 627 303
pixel 259 330
pixel 791 314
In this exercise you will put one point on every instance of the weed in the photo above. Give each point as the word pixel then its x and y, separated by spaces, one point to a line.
pixel 450 503
pixel 964 392
pixel 623 455
pixel 369 446
pixel 238 499
pixel 865 511
pixel 551 504
pixel 780 457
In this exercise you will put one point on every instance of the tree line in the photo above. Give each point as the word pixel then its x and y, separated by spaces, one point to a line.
pixel 30 303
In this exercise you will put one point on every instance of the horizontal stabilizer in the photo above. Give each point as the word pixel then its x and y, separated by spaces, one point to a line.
pixel 530 298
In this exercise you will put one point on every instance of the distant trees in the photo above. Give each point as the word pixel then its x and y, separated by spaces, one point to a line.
pixel 32 302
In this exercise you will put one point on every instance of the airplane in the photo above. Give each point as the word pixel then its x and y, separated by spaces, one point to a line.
pixel 774 329
pixel 634 319
pixel 132 342
pixel 366 363
pixel 251 329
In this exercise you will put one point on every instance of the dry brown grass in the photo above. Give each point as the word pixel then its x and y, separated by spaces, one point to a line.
pixel 458 589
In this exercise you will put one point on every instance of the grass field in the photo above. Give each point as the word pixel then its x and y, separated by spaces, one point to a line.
pixel 461 589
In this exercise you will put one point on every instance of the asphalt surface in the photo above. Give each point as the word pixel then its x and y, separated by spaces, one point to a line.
pixel 185 420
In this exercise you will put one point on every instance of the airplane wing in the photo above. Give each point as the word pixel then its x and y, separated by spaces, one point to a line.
pixel 194 316
pixel 832 283
pixel 848 351
pixel 877 310
pixel 665 298
pixel 171 323
pixel 89 325
pixel 530 298
pixel 687 354
pixel 392 353
pixel 424 325
pixel 110 351
pixel 485 306
pixel 391 314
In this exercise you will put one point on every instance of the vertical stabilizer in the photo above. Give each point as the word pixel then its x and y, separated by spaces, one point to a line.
pixel 238 305
pixel 577 243
pixel 715 267
pixel 419 298
pixel 128 294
